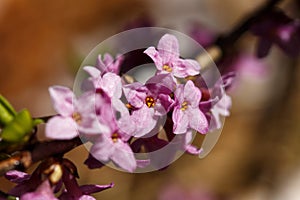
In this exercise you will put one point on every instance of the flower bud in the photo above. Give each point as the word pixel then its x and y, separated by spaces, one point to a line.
pixel 7 112
pixel 20 126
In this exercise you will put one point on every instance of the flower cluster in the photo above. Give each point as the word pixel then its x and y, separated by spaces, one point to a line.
pixel 120 117
pixel 53 176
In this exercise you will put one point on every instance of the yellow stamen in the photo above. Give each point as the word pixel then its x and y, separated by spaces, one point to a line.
pixel 129 106
pixel 167 68
pixel 184 106
pixel 115 137
pixel 150 102
pixel 77 117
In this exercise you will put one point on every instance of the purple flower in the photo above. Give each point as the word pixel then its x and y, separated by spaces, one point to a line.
pixel 202 35
pixel 187 146
pixel 147 103
pixel 75 192
pixel 43 191
pixel 74 115
pixel 276 27
pixel 221 108
pixel 167 60
pixel 186 112
pixel 219 103
pixel 108 64
pixel 112 145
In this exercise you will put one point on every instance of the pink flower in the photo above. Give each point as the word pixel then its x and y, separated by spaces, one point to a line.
pixel 167 60
pixel 186 112
pixel 43 191
pixel 110 83
pixel 221 108
pixel 75 115
pixel 147 103
pixel 112 145
pixel 108 64
pixel 219 103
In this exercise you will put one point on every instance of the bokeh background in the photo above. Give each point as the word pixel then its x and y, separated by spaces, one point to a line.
pixel 257 157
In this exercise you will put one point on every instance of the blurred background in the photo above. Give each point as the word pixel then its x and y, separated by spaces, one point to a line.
pixel 257 157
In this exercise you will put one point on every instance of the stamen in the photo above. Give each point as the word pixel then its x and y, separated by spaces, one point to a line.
pixel 150 102
pixel 184 106
pixel 115 137
pixel 129 106
pixel 167 68
pixel 77 117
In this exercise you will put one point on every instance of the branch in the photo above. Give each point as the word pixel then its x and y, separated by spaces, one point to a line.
pixel 38 152
pixel 225 42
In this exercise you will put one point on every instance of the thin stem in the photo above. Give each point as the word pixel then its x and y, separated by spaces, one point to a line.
pixel 225 42
pixel 37 152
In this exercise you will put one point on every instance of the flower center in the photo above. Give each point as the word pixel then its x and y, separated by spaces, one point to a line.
pixel 167 68
pixel 77 117
pixel 150 102
pixel 115 137
pixel 184 106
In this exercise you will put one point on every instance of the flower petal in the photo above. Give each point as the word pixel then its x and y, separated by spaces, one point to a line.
pixel 192 94
pixel 188 147
pixel 92 71
pixel 103 148
pixel 123 156
pixel 61 128
pixel 62 98
pixel 43 191
pixel 92 162
pixel 154 55
pixel 16 176
pixel 197 120
pixel 111 84
pixel 168 48
pixel 90 189
pixel 180 121
pixel 135 94
pixel 144 121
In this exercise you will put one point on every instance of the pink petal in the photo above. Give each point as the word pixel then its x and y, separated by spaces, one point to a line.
pixel 92 71
pixel 197 120
pixel 143 120
pixel 135 93
pixel 168 48
pixel 161 83
pixel 155 56
pixel 100 64
pixel 61 128
pixel 108 59
pixel 16 176
pixel 62 98
pixel 180 121
pixel 111 84
pixel 192 67
pixel 123 156
pixel 86 197
pixel 192 94
pixel 179 93
pixel 103 148
pixel 183 68
pixel 44 191
pixel 189 148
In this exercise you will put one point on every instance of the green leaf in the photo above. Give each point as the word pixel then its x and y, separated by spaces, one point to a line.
pixel 17 129
pixel 7 112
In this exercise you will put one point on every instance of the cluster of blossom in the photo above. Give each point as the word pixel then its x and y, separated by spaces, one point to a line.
pixel 118 128
pixel 48 179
